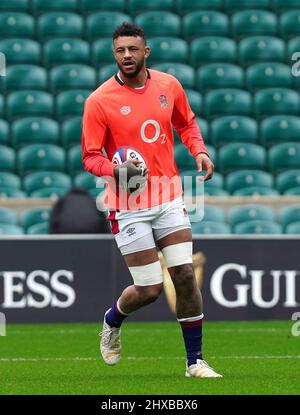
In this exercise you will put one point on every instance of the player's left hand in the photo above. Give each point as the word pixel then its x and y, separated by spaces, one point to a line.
pixel 204 163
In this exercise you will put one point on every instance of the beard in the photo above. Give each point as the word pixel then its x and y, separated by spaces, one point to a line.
pixel 133 74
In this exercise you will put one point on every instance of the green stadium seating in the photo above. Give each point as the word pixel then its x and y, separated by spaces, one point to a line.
pixel 282 5
pixel 159 23
pixel 31 130
pixel 91 6
pixel 219 75
pixel 293 45
pixel 44 6
pixel 85 180
pixel 294 191
pixel 185 6
pixel 1 104
pixel 185 161
pixel 208 49
pixel 213 214
pixel 65 50
pixel 14 5
pixel 261 48
pixel 167 49
pixel 184 73
pixel 232 128
pixel 241 156
pixel 265 75
pixel 35 157
pixel 210 228
pixel 35 215
pixel 287 180
pixel 72 76
pixel 293 228
pixel 103 24
pixel 289 23
pixel 204 128
pixel 7 159
pixel 216 181
pixel 4 132
pixel 45 180
pixel 18 50
pixel 59 24
pixel 284 156
pixel 102 52
pixel 70 103
pixel 243 179
pixel 233 5
pixel 10 230
pixel 288 215
pixel 25 77
pixel 225 101
pixel 256 191
pixel 280 129
pixel 195 100
pixel 74 160
pixel 8 216
pixel 257 227
pixel 272 101
pixel 38 229
pixel 50 192
pixel 10 180
pixel 7 192
pixel 16 24
pixel 71 131
pixel 106 72
pixel 205 23
pixel 240 214
pixel 140 6
pixel 214 191
pixel 29 103
pixel 253 22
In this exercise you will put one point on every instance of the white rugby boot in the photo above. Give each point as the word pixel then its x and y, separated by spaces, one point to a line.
pixel 201 370
pixel 110 343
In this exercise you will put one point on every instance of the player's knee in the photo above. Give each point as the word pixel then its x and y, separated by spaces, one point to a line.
pixel 184 277
pixel 149 294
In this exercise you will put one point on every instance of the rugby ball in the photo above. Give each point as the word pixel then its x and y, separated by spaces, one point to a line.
pixel 123 154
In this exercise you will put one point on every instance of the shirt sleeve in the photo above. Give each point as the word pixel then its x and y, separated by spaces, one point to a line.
pixel 184 122
pixel 94 132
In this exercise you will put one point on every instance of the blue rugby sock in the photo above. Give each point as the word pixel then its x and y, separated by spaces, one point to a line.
pixel 192 335
pixel 115 316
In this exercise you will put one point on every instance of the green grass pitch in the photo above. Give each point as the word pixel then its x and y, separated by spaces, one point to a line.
pixel 254 358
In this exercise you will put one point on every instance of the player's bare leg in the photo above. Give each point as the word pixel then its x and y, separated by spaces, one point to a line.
pixel 189 307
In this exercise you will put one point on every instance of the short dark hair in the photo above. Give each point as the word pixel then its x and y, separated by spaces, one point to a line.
pixel 129 29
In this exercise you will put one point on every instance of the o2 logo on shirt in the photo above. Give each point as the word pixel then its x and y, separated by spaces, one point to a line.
pixel 150 132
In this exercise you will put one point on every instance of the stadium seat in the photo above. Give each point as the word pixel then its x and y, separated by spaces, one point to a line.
pixel 7 192
pixel 240 214
pixel 232 128
pixel 49 192
pixel 205 23
pixel 106 72
pixel 103 24
pixel 288 215
pixel 102 52
pixel 7 159
pixel 4 132
pixel 10 230
pixel 214 214
pixel 1 104
pixel 18 50
pixel 167 49
pixel 272 101
pixel 35 157
pixel 38 229
pixel 214 191
pixel 210 228
pixel 8 216
pixel 92 6
pixel 29 103
pixel 184 73
pixel 185 161
pixel 257 227
pixel 16 24
pixel 234 5
pixel 14 5
pixel 35 215
pixel 241 156
pixel 59 24
pixel 253 22
pixel 190 184
pixel 31 130
pixel 280 129
pixel 293 45
pixel 195 100
pixel 72 76
pixel 159 23
pixel 65 50
pixel 225 101
pixel 265 75
pixel 85 180
pixel 45 180
pixel 204 128
pixel 212 49
pixel 287 180
pixel 70 103
pixel 261 48
pixel 283 5
pixel 293 228
pixel 219 75
pixel 294 191
pixel 185 6
pixel 242 179
pixel 44 6
pixel 284 156
pixel 74 160
pixel 10 180
pixel 256 191
pixel 71 131
pixel 289 23
pixel 25 77
pixel 140 6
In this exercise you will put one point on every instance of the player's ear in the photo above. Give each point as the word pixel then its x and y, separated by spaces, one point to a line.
pixel 147 51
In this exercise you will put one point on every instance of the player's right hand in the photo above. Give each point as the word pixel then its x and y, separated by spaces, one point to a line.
pixel 132 169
